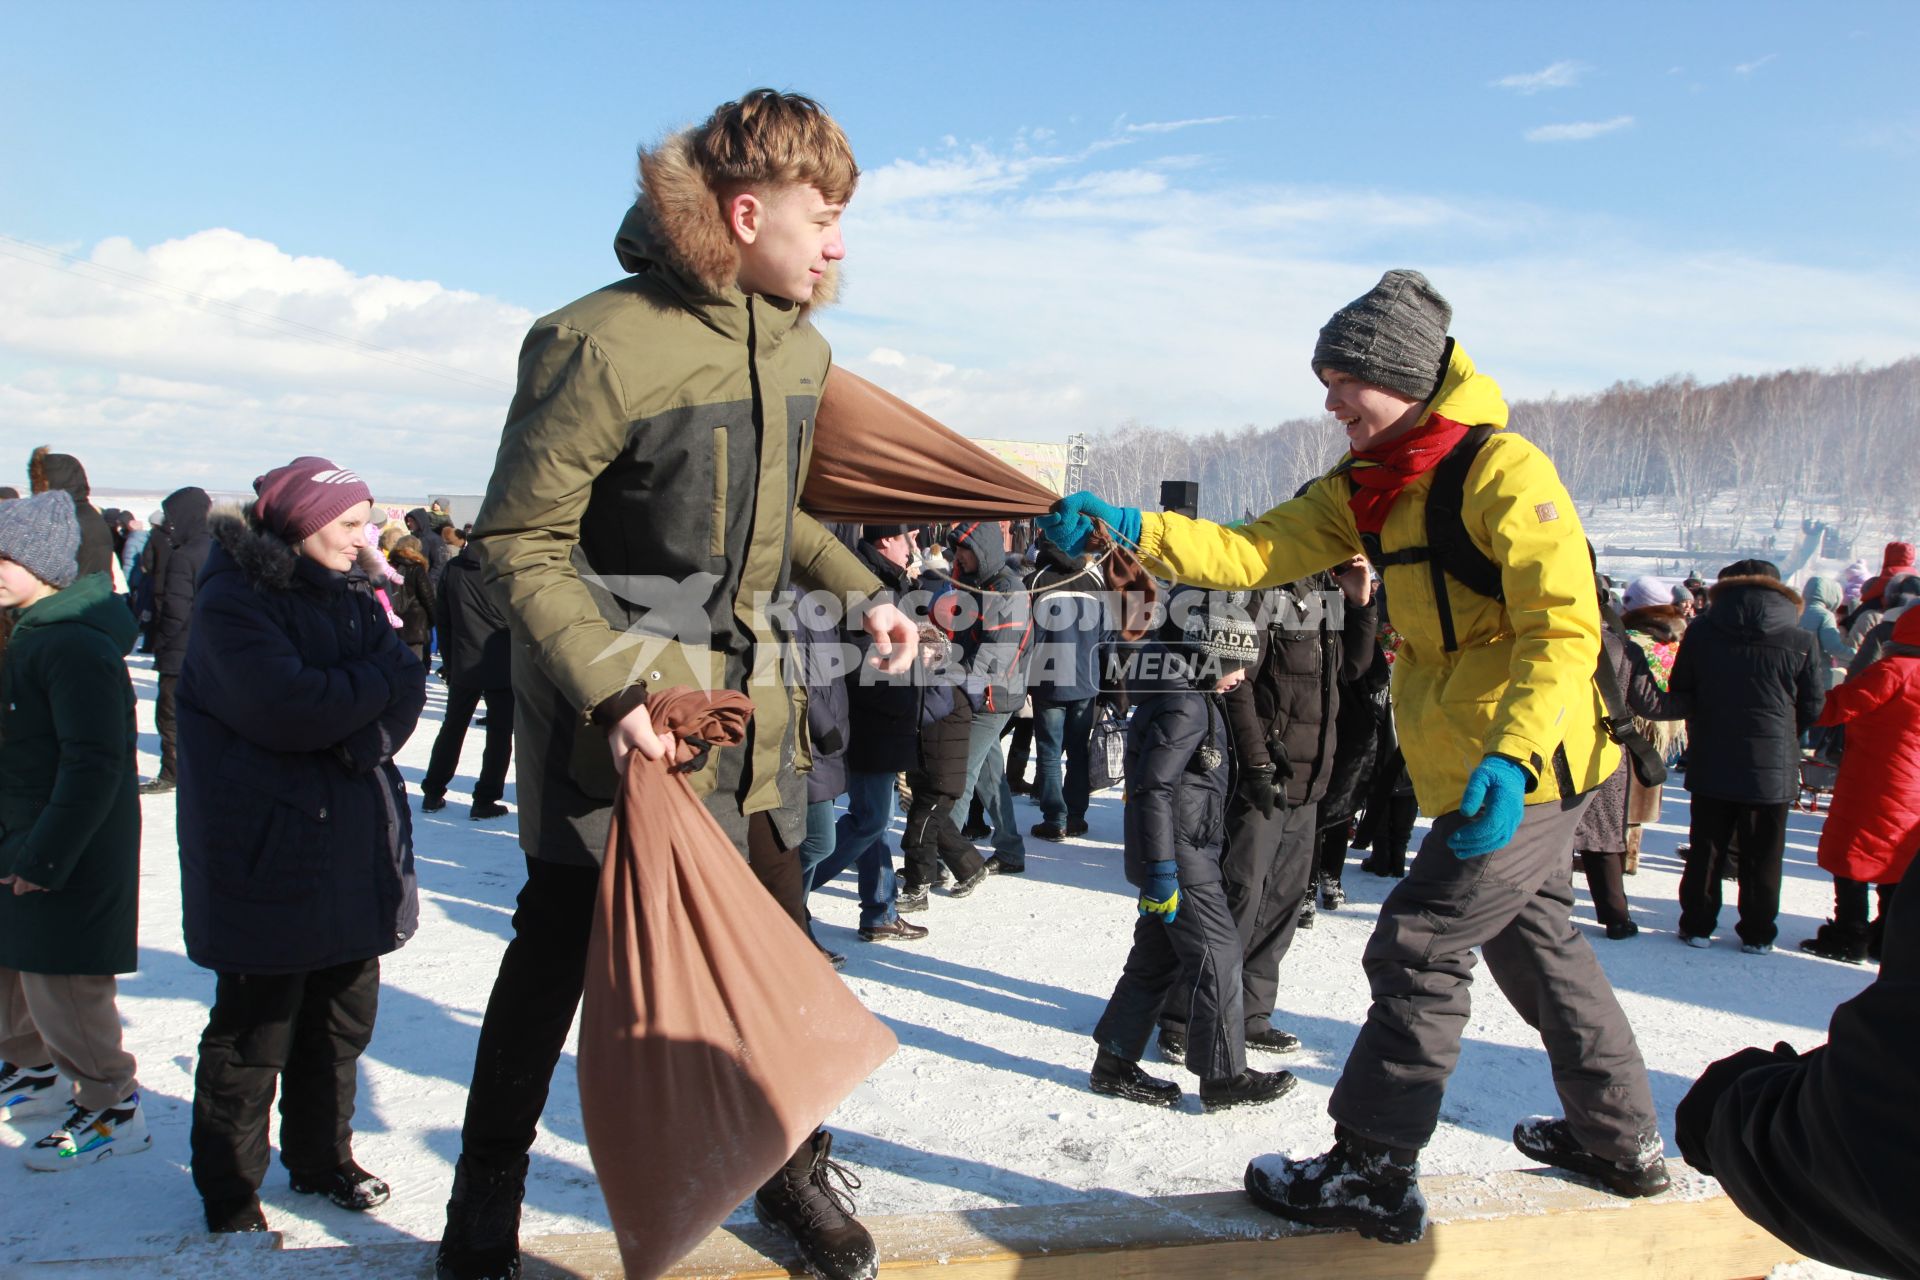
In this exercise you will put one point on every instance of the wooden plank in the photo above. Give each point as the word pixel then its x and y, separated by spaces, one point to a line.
pixel 1503 1226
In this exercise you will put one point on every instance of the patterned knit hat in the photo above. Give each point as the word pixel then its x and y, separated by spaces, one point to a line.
pixel 41 534
pixel 1393 336
pixel 1218 627
pixel 306 496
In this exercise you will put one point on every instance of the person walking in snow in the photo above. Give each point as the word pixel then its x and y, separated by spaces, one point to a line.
pixel 296 846
pixel 1504 733
pixel 69 843
pixel 1873 826
pixel 641 500
pixel 477 653
pixel 1187 948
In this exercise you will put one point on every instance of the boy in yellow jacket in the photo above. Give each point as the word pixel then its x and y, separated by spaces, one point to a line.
pixel 1503 732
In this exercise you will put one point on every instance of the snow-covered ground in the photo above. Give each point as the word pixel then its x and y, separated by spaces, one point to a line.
pixel 986 1102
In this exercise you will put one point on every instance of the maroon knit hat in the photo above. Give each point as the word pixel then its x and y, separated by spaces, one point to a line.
pixel 306 495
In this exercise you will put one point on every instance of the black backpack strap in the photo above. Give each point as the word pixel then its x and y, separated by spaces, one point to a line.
pixel 1449 549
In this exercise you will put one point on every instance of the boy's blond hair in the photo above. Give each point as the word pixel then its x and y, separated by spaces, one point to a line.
pixel 768 138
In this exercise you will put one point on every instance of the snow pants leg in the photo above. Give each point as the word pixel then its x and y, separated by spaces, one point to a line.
pixel 1516 905
pixel 1201 942
pixel 931 838
pixel 304 1032
pixel 166 723
pixel 1719 829
pixel 1267 865
pixel 1606 882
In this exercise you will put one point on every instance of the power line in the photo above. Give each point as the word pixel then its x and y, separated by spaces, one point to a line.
pixel 134 282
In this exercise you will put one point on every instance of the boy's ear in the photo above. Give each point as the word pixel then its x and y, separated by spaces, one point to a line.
pixel 746 213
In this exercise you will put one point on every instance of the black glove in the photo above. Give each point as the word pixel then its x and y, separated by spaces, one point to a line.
pixel 1257 789
pixel 1694 1116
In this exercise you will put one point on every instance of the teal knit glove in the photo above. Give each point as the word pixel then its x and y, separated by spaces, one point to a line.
pixel 1070 522
pixel 1160 893
pixel 1495 799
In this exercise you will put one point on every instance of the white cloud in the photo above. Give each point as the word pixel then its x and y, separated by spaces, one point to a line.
pixel 1748 68
pixel 1559 75
pixel 1579 131
pixel 1174 126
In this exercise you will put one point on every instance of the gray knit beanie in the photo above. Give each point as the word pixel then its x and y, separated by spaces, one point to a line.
pixel 1393 336
pixel 41 534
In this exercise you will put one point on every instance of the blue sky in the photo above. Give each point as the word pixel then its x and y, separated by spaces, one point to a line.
pixel 1073 215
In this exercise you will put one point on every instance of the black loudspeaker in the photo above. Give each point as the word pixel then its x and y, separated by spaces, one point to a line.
pixel 1181 497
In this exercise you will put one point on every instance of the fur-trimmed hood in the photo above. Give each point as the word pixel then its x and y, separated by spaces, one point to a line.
pixel 265 559
pixel 1753 605
pixel 1664 622
pixel 676 223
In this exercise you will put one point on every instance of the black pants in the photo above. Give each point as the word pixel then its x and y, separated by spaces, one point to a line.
pixel 537 993
pixel 167 724
pixel 1850 911
pixel 1019 749
pixel 461 702
pixel 1606 881
pixel 303 1031
pixel 1391 827
pixel 929 838
pixel 1331 857
pixel 1192 965
pixel 1759 831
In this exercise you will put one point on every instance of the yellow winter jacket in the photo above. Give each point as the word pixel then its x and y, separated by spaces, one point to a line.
pixel 1521 682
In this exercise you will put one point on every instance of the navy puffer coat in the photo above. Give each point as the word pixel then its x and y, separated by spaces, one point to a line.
pixel 296 848
pixel 1177 782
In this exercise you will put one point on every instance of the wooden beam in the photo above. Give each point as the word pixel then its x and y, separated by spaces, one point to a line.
pixel 1500 1226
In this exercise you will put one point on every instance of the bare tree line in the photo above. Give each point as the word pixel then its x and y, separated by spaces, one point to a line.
pixel 1790 444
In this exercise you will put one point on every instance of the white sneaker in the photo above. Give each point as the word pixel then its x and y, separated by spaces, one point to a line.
pixel 88 1136
pixel 1695 940
pixel 32 1091
pixel 1757 948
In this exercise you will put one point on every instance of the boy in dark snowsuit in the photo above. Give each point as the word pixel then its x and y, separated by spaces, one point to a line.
pixel 1178 777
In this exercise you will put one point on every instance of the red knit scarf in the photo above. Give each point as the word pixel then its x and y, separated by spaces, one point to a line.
pixel 1380 474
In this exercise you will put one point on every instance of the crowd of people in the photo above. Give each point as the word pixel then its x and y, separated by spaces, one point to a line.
pixel 1421 627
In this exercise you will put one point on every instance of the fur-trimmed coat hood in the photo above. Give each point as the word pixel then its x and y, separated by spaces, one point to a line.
pixel 265 558
pixel 1664 622
pixel 676 223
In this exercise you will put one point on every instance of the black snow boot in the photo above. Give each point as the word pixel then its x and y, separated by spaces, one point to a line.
pixel 349 1186
pixel 1248 1089
pixel 1551 1141
pixel 1119 1077
pixel 1360 1185
pixel 482 1236
pixel 1173 1046
pixel 1835 941
pixel 803 1204
pixel 235 1217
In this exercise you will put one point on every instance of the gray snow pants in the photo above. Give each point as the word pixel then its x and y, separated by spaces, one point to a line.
pixel 1267 864
pixel 1196 961
pixel 1515 904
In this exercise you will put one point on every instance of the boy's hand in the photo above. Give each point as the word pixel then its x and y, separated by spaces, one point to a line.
pixel 895 637
pixel 1160 895
pixel 634 732
pixel 1070 522
pixel 21 886
pixel 1355 579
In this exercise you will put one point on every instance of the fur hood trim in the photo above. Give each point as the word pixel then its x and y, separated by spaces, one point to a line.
pixel 682 224
pixel 1753 580
pixel 1664 622
pixel 266 559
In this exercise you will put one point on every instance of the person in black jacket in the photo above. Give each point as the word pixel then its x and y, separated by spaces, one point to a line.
pixel 413 596
pixel 187 543
pixel 884 716
pixel 296 846
pixel 1178 777
pixel 1282 719
pixel 48 470
pixel 478 668
pixel 1818 1147
pixel 1749 683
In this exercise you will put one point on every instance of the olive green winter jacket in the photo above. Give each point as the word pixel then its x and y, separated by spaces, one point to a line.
pixel 643 509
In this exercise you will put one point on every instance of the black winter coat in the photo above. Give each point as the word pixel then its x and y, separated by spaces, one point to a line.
pixel 474 643
pixel 1287 710
pixel 1176 802
pixel 885 714
pixel 296 846
pixel 186 543
pixel 1748 680
pixel 1819 1148
pixel 817 650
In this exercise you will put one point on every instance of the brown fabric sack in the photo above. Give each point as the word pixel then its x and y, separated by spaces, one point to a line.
pixel 715 1038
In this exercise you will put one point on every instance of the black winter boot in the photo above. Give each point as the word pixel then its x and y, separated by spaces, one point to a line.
pixel 235 1217
pixel 349 1186
pixel 1360 1185
pixel 1248 1089
pixel 482 1236
pixel 1119 1077
pixel 1835 941
pixel 1550 1140
pixel 803 1204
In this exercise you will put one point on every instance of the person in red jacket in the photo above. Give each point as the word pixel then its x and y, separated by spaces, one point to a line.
pixel 1873 830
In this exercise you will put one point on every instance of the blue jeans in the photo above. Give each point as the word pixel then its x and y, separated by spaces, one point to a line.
pixel 1062 728
pixel 860 841
pixel 987 771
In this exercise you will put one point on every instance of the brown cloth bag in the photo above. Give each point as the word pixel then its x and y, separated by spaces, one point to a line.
pixel 877 459
pixel 715 1038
